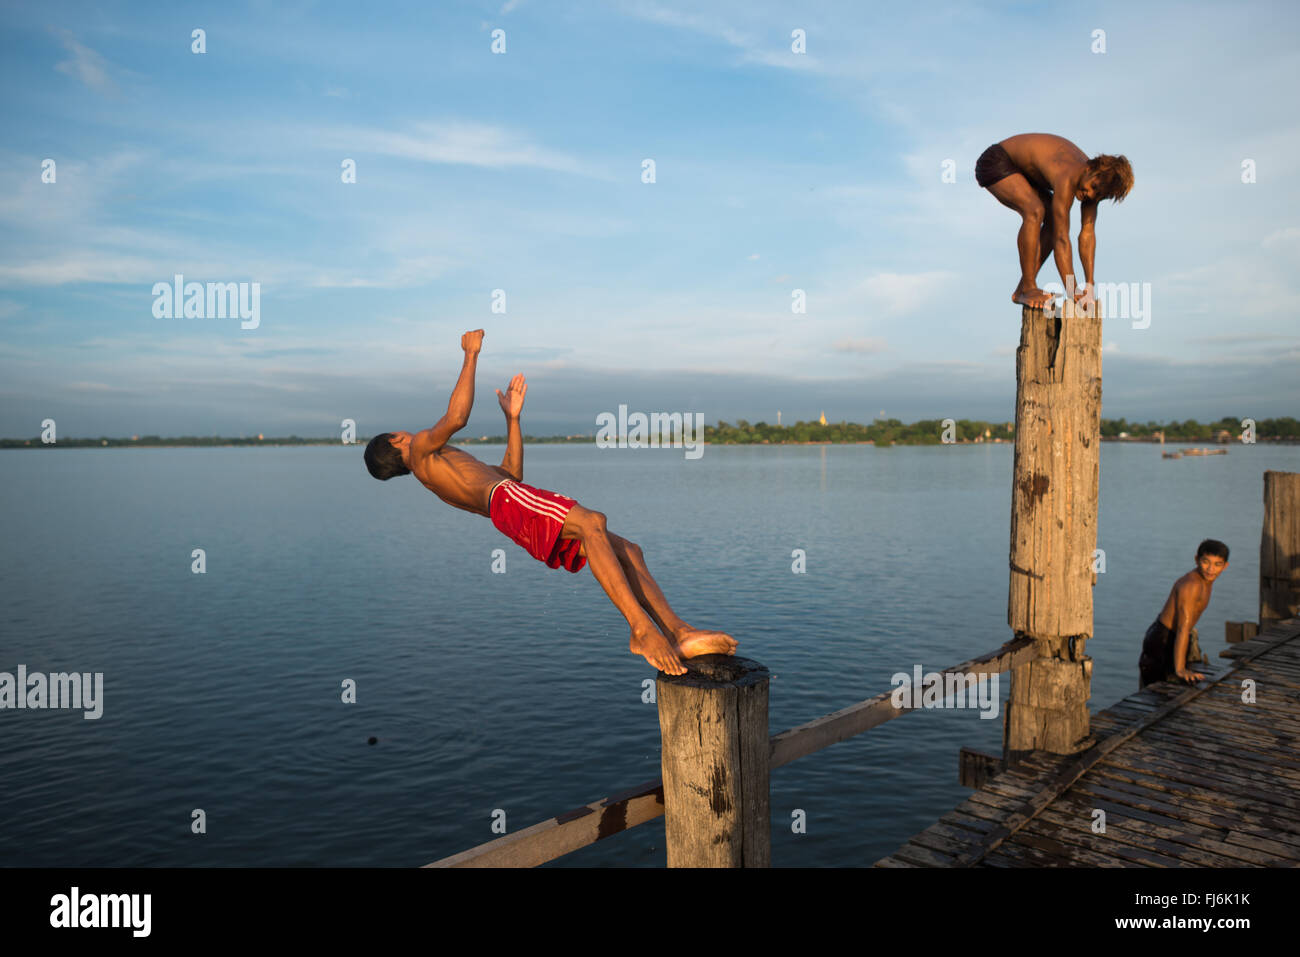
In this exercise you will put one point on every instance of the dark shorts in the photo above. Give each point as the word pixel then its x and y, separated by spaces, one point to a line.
pixel 994 164
pixel 1157 660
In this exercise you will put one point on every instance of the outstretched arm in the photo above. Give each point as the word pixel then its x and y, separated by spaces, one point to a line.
pixel 1064 253
pixel 1087 238
pixel 462 401
pixel 512 404
pixel 1183 618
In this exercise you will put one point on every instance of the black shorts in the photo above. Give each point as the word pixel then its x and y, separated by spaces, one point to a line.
pixel 993 165
pixel 1157 660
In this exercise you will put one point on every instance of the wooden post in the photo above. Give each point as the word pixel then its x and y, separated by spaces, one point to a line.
pixel 976 767
pixel 1279 549
pixel 1235 632
pixel 1054 528
pixel 713 721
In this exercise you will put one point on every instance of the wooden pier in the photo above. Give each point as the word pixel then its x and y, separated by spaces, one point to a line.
pixel 1204 776
pixel 1207 775
pixel 1172 775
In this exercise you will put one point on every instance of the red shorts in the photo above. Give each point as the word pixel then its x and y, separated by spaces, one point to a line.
pixel 533 517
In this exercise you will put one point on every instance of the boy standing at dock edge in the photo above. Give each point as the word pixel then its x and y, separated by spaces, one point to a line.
pixel 1170 643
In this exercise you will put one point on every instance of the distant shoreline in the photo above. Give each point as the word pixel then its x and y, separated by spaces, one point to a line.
pixel 1229 430
pixel 215 442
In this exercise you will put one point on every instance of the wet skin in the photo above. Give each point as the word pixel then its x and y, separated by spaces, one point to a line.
pixel 1187 600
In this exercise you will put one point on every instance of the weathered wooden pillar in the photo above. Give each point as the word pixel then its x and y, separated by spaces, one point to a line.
pixel 1279 549
pixel 1054 528
pixel 1235 632
pixel 713 721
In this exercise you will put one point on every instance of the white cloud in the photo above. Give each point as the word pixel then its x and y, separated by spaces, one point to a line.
pixel 456 142
pixel 1279 236
pixel 892 293
pixel 407 272
pixel 98 388
pixel 717 28
pixel 85 65
pixel 863 346
pixel 84 266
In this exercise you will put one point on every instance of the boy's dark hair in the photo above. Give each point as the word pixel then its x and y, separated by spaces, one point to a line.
pixel 1114 176
pixel 1212 547
pixel 384 461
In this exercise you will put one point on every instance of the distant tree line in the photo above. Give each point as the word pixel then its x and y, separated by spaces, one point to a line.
pixel 931 431
pixel 881 432
pixel 175 440
pixel 1193 431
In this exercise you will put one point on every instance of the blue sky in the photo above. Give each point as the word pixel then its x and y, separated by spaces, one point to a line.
pixel 521 171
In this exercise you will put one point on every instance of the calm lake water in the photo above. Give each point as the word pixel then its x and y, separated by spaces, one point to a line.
pixel 516 691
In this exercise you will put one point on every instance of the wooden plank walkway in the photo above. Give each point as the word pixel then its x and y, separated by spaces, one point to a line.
pixel 1187 777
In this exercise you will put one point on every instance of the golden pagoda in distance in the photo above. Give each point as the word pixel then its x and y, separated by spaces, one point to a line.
pixel 822 420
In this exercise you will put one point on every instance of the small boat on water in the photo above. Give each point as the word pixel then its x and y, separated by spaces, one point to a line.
pixel 1179 455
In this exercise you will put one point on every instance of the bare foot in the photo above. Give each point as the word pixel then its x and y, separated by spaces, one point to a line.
pixel 692 642
pixel 1033 297
pixel 654 648
pixel 1085 305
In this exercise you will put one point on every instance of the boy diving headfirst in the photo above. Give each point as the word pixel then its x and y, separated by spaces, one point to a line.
pixel 553 528
pixel 1170 645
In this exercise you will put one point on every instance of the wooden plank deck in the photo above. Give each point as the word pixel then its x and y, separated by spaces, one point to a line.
pixel 1187 777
